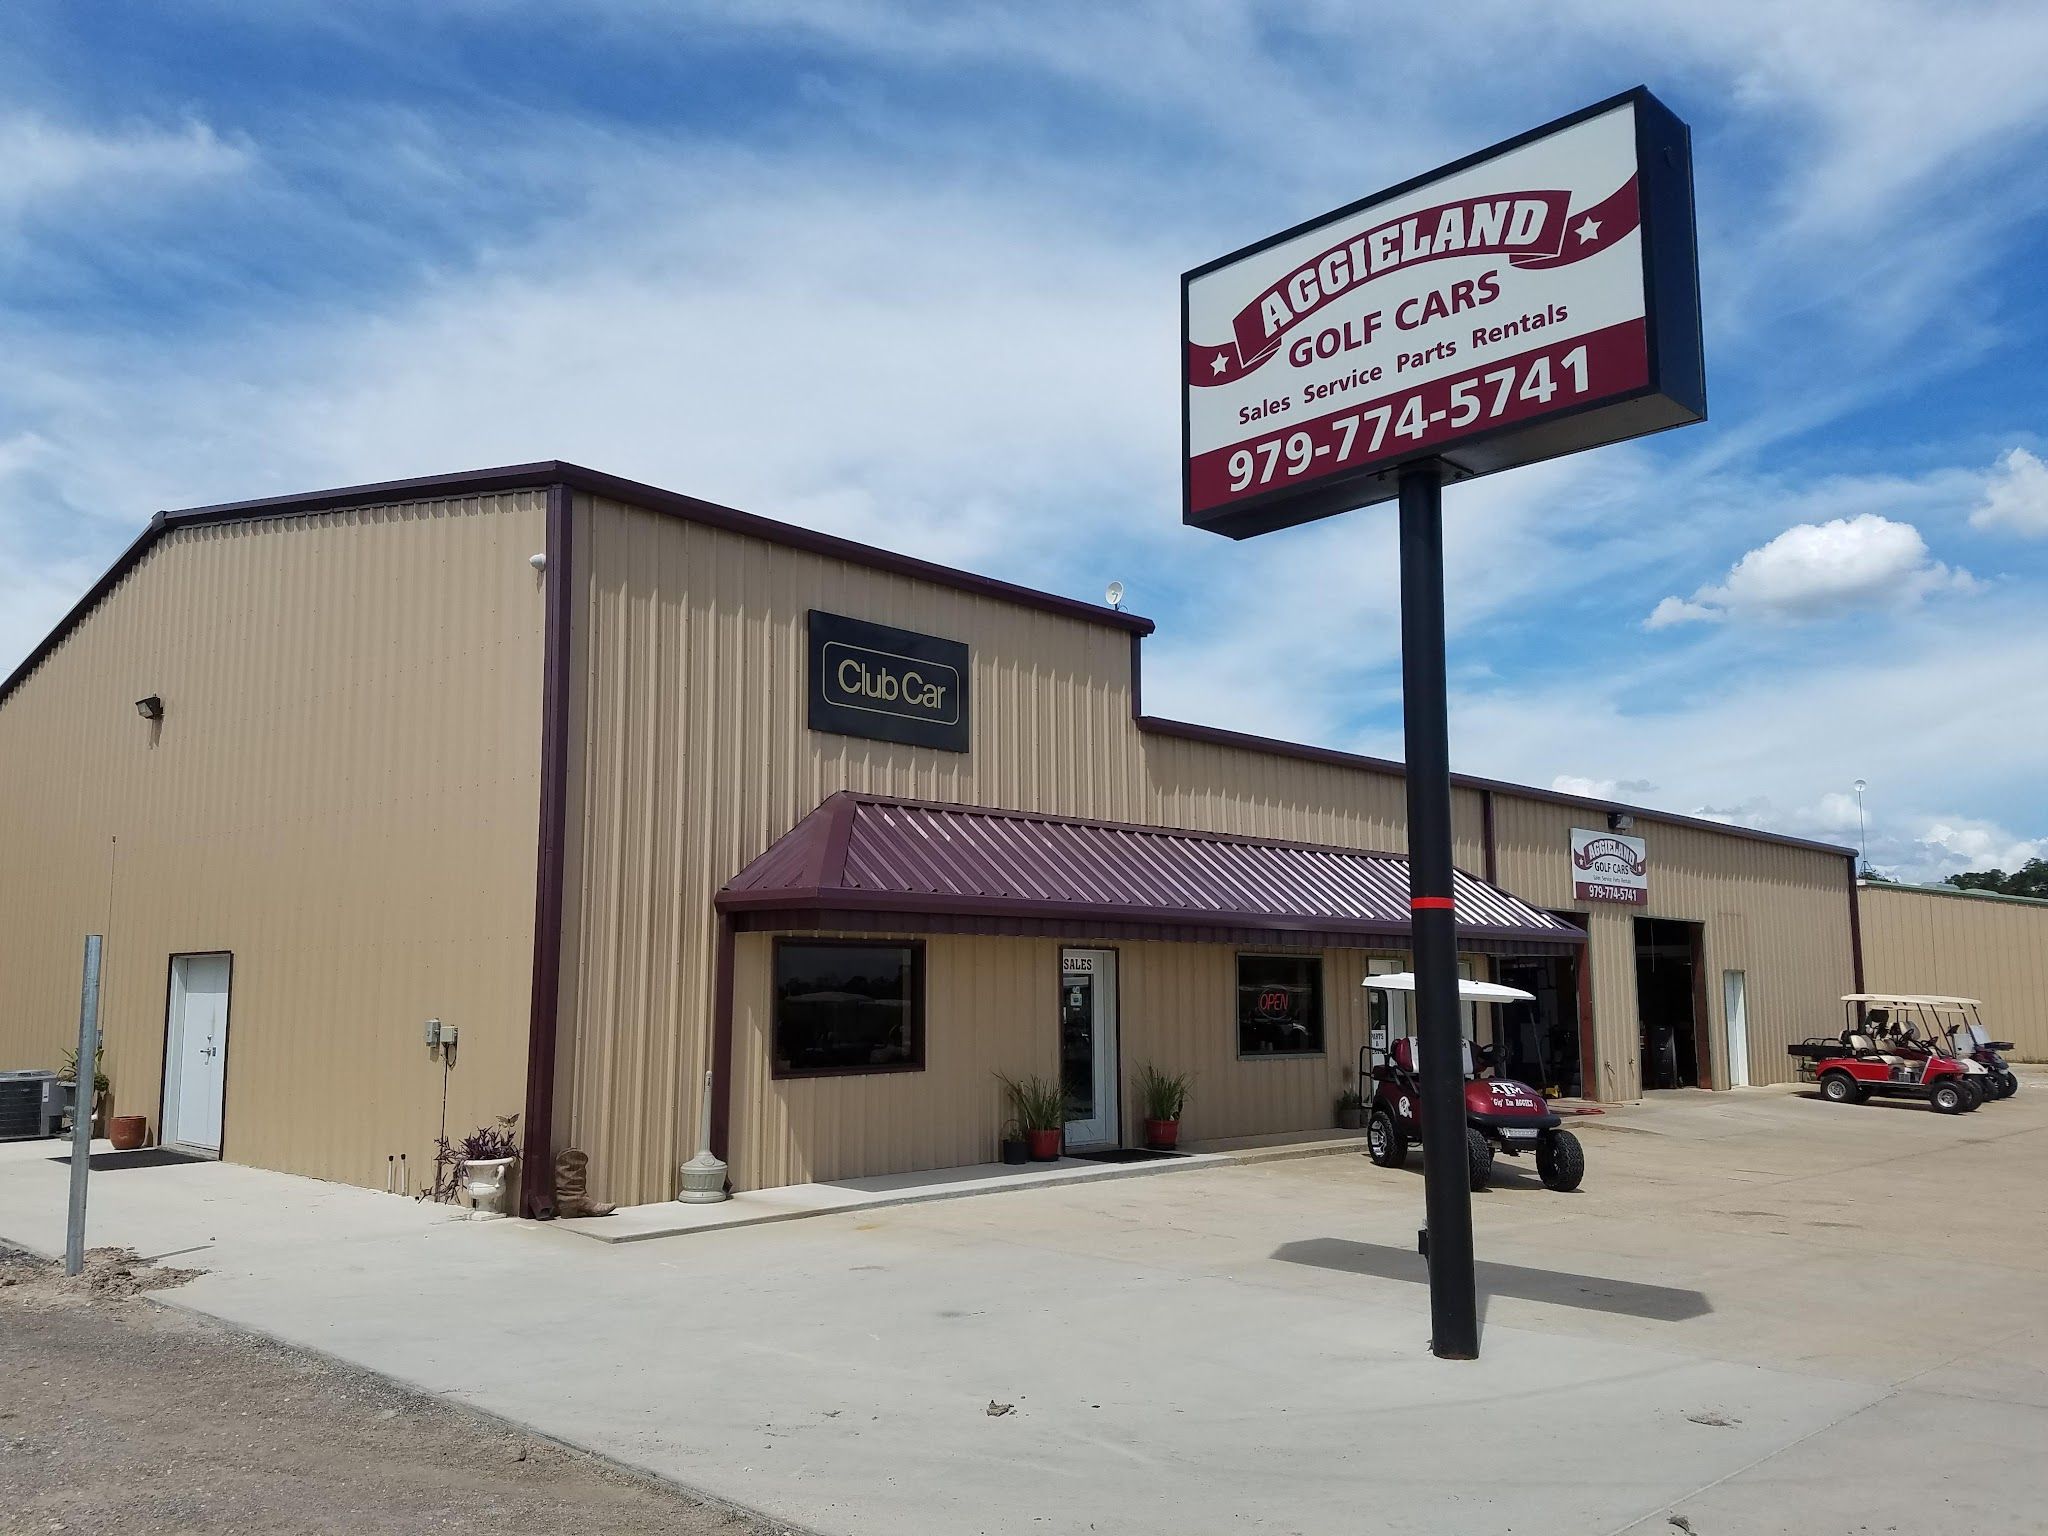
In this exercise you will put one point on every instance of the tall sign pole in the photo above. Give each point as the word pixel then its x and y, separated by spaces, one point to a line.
pixel 82 1100
pixel 1447 1191
pixel 1538 298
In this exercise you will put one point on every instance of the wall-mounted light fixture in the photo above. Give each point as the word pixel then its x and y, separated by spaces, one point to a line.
pixel 151 708
pixel 1619 821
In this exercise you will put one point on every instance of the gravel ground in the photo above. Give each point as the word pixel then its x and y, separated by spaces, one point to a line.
pixel 121 1415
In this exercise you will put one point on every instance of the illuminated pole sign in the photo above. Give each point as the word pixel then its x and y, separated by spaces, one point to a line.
pixel 1529 301
pixel 1534 299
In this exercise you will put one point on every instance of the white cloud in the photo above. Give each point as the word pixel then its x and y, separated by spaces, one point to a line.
pixel 1940 846
pixel 1602 789
pixel 2015 496
pixel 43 163
pixel 1815 570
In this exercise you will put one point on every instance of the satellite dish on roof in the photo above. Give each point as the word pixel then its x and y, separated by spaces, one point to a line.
pixel 1115 595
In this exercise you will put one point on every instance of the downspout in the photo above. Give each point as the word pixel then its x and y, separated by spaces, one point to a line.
pixel 537 1160
pixel 1486 836
pixel 1855 929
pixel 721 1042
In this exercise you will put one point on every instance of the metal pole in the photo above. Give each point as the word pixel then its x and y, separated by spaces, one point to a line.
pixel 82 1099
pixel 1453 1299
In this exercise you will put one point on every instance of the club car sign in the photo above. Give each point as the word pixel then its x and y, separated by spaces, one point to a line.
pixel 1609 867
pixel 1534 299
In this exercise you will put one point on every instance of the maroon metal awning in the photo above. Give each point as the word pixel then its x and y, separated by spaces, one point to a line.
pixel 869 863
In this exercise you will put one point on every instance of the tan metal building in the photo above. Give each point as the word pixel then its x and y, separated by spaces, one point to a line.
pixel 487 748
pixel 1937 939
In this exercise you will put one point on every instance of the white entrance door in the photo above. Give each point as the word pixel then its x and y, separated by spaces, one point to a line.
pixel 196 1053
pixel 1735 1004
pixel 1088 1075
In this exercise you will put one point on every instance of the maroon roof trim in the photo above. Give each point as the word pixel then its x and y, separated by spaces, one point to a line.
pixel 824 919
pixel 594 482
pixel 1217 736
pixel 894 859
pixel 537 476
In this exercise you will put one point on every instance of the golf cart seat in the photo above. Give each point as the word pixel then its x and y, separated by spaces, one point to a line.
pixel 1862 1045
pixel 1408 1054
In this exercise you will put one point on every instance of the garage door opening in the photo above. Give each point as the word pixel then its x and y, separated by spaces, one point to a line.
pixel 1670 1004
pixel 1539 1040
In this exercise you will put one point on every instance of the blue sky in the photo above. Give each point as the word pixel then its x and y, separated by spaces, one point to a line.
pixel 909 273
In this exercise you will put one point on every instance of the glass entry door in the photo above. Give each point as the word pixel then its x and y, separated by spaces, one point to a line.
pixel 1088 1075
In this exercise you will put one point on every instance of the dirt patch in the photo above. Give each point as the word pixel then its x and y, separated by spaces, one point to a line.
pixel 122 1415
pixel 110 1274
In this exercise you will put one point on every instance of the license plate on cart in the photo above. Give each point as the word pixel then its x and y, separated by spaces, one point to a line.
pixel 1519 1135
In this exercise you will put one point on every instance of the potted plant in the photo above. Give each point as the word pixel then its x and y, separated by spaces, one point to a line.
pixel 1041 1113
pixel 1016 1150
pixel 100 1089
pixel 481 1163
pixel 128 1132
pixel 1350 1110
pixel 1163 1095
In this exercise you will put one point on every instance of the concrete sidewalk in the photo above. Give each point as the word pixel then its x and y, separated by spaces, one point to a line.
pixel 1727 1321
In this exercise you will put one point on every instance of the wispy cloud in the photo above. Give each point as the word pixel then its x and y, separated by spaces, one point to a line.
pixel 46 166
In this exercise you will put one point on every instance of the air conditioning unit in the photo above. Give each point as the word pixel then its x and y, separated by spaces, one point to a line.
pixel 31 1104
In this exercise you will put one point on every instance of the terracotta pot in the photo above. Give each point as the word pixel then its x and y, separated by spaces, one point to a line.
pixel 128 1132
pixel 1045 1146
pixel 1162 1135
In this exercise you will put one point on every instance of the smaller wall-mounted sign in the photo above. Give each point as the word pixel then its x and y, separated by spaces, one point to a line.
pixel 1609 867
pixel 887 684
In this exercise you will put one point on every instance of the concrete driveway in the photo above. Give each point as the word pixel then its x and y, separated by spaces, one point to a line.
pixel 1762 1313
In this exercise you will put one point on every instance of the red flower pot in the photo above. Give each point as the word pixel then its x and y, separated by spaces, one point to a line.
pixel 128 1131
pixel 1045 1146
pixel 1162 1135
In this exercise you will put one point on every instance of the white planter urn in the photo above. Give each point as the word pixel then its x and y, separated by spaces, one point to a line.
pixel 489 1182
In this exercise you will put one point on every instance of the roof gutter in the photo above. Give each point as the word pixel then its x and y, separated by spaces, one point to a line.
pixel 537 1162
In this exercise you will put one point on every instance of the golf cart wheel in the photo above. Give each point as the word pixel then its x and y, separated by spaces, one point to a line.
pixel 1838 1088
pixel 1947 1099
pixel 1973 1094
pixel 2009 1084
pixel 1479 1154
pixel 1560 1161
pixel 1384 1143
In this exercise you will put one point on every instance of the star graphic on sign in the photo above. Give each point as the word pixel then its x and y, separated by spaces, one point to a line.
pixel 1590 230
pixel 1221 363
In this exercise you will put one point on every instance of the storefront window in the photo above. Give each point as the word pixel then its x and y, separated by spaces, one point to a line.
pixel 848 1007
pixel 1279 1005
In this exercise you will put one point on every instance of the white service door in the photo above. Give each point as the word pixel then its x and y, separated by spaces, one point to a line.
pixel 197 1052
pixel 1735 1002
pixel 1088 1075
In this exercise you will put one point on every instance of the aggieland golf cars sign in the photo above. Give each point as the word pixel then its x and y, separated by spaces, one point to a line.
pixel 1534 299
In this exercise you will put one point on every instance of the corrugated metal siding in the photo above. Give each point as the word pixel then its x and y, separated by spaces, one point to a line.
pixel 1995 951
pixel 1262 794
pixel 991 1005
pixel 1179 1012
pixel 693 757
pixel 343 793
pixel 1793 944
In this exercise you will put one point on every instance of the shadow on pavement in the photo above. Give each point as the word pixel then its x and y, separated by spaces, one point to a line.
pixel 1559 1288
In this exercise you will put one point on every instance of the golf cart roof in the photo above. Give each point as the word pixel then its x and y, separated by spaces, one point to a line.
pixel 1911 999
pixel 1468 991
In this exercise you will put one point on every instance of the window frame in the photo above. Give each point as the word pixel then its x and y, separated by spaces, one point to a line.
pixel 1314 957
pixel 778 1072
